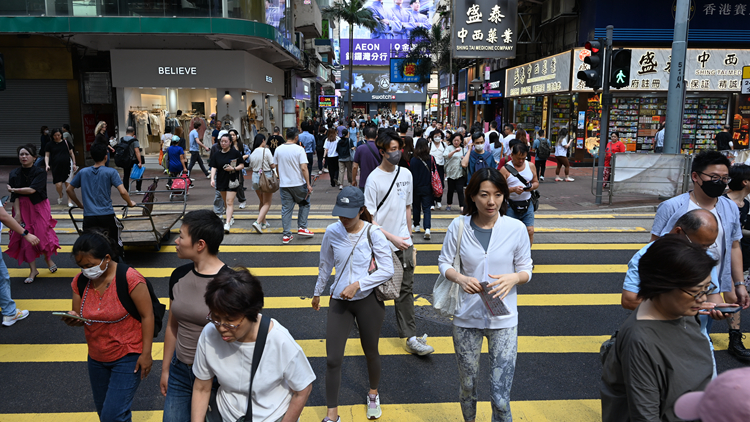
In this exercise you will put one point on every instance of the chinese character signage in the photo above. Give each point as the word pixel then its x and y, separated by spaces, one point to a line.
pixel 375 85
pixel 328 101
pixel 545 76
pixel 484 29
pixel 408 76
pixel 373 52
pixel 705 69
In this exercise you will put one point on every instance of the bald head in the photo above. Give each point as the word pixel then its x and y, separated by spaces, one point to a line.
pixel 700 227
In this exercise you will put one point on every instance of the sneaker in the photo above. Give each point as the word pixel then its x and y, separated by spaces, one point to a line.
pixel 226 227
pixel 541 178
pixel 419 346
pixel 258 228
pixel 243 205
pixel 415 229
pixel 341 187
pixel 305 233
pixel 426 234
pixel 59 201
pixel 10 320
pixel 208 176
pixel 231 222
pixel 287 238
pixel 432 208
pixel 557 179
pixel 325 170
pixel 327 419
pixel 139 192
pixel 569 179
pixel 373 406
pixel 71 205
pixel 265 225
pixel 448 208
pixel 439 205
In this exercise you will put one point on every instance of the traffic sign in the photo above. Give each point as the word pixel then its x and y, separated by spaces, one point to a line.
pixel 746 80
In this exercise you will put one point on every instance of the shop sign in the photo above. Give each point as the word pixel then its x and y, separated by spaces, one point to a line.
pixel 705 69
pixel 330 101
pixel 269 79
pixel 541 77
pixel 89 124
pixel 178 70
pixel 461 96
pixel 484 30
pixel 494 85
pixel 746 80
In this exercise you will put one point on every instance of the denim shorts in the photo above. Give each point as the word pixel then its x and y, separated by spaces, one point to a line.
pixel 526 218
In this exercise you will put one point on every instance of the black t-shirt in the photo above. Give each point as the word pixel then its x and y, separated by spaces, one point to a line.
pixel 215 135
pixel 722 141
pixel 421 172
pixel 59 152
pixel 32 177
pixel 274 142
pixel 218 160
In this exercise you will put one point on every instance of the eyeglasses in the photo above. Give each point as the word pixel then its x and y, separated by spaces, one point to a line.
pixel 716 178
pixel 698 295
pixel 219 324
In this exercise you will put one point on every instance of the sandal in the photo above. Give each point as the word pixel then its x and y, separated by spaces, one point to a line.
pixel 29 280
pixel 53 269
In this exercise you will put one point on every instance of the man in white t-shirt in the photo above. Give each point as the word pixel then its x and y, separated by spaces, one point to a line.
pixel 493 129
pixel 429 130
pixel 509 135
pixel 294 185
pixel 388 197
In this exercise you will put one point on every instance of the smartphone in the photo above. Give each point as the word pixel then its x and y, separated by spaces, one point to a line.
pixel 727 310
pixel 3 200
pixel 233 163
pixel 67 315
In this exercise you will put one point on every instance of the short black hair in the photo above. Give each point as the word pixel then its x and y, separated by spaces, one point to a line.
pixel 403 127
pixel 386 137
pixel 540 132
pixel 418 131
pixel 196 125
pixel 519 148
pixel 235 293
pixel 484 175
pixel 98 152
pixel 508 126
pixel 291 133
pixel 30 148
pixel 204 224
pixel 670 263
pixel 476 135
pixel 493 124
pixel 709 158
pixel 738 173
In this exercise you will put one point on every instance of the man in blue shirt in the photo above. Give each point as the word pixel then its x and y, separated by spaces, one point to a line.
pixel 195 150
pixel 307 140
pixel 95 183
pixel 389 23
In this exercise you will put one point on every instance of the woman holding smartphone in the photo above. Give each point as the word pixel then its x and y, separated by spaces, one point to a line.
pixel 226 169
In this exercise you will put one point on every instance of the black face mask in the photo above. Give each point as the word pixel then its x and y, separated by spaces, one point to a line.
pixel 713 189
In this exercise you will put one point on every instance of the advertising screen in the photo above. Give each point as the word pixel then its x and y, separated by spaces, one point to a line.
pixel 397 19
pixel 409 75
pixel 328 101
pixel 375 85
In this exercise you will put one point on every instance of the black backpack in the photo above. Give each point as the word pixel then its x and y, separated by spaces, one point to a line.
pixel 544 150
pixel 125 153
pixel 121 283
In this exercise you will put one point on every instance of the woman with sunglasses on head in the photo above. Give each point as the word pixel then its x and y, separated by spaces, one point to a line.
pixel 659 352
pixel 283 378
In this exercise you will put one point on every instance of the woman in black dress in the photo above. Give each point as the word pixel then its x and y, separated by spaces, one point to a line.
pixel 102 138
pixel 45 139
pixel 226 168
pixel 57 158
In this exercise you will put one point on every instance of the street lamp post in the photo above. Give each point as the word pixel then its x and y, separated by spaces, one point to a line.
pixel 477 84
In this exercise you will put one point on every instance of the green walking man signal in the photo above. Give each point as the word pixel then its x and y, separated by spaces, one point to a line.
pixel 620 72
pixel 620 77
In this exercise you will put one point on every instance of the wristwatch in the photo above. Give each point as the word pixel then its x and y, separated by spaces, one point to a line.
pixel 25 232
pixel 739 283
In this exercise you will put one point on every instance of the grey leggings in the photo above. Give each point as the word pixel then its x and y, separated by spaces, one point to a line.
pixel 369 313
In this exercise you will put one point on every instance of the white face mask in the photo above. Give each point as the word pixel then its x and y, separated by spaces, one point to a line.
pixel 94 272
pixel 479 148
pixel 437 139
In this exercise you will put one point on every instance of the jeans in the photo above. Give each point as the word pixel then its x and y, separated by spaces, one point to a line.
pixel 309 165
pixel 195 156
pixel 456 185
pixel 287 206
pixel 7 304
pixel 503 349
pixel 404 304
pixel 218 203
pixel 179 392
pixel 113 385
pixel 424 202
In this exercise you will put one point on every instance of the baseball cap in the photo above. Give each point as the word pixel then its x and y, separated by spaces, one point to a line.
pixel 724 399
pixel 175 139
pixel 349 202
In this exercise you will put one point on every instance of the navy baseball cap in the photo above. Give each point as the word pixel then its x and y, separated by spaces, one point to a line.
pixel 349 202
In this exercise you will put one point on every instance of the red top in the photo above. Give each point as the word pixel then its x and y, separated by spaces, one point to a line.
pixel 109 342
pixel 613 147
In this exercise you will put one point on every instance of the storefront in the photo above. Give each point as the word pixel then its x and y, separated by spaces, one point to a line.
pixel 159 88
pixel 493 96
pixel 462 97
pixel 301 94
pixel 372 87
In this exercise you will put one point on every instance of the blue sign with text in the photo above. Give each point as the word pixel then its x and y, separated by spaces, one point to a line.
pixel 409 75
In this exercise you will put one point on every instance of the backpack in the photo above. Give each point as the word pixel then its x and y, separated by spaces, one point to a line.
pixel 544 150
pixel 123 294
pixel 125 153
pixel 480 164
pixel 342 148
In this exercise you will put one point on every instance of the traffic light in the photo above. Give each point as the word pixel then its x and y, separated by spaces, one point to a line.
pixel 594 76
pixel 2 73
pixel 620 74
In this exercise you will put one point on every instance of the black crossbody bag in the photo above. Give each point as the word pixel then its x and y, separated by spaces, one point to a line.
pixel 520 207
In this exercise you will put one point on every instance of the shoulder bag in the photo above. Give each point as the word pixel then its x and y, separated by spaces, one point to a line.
pixel 338 278
pixel 267 184
pixel 212 414
pixel 437 184
pixel 398 170
pixel 391 289
pixel 520 207
pixel 446 295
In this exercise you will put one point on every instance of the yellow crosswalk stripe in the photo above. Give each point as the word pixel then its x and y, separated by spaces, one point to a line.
pixel 295 302
pixel 239 215
pixel 313 271
pixel 523 411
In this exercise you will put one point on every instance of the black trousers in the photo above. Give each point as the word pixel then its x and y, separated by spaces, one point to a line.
pixel 333 169
pixel 195 156
pixel 541 167
pixel 126 178
pixel 456 185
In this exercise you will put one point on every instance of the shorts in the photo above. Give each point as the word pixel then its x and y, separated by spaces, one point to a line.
pixel 256 179
pixel 526 218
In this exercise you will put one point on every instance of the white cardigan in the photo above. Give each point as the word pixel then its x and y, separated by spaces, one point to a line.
pixel 509 252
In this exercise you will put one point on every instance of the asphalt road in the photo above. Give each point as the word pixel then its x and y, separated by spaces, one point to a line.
pixel 566 311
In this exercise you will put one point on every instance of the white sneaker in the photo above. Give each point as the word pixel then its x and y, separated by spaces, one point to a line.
pixel 257 227
pixel 439 205
pixel 432 208
pixel 226 228
pixel 71 205
pixel 427 234
pixel 558 179
pixel 10 320
pixel 415 229
pixel 541 178
pixel 373 406
pixel 243 205
pixel 325 170
pixel 59 201
pixel 265 225
pixel 569 179
pixel 418 346
pixel 208 176
pixel 341 187
pixel 231 222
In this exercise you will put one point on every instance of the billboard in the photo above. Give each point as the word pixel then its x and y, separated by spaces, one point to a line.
pixel 485 29
pixel 398 18
pixel 375 85
pixel 328 101
pixel 409 75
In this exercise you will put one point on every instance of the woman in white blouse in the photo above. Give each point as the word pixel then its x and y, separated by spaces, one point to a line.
pixel 495 250
pixel 437 148
pixel 261 160
pixel 351 245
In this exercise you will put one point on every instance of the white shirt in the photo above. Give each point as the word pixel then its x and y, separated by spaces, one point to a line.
pixel 335 250
pixel 288 158
pixel 659 139
pixel 392 215
pixel 261 158
pixel 717 249
pixel 282 369
pixel 166 141
pixel 331 147
pixel 513 182
pixel 506 143
pixel 487 135
pixel 561 147
pixel 428 131
pixel 509 252
pixel 437 150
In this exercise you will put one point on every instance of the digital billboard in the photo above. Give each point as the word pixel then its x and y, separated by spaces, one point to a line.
pixel 397 19
pixel 375 85
pixel 409 75
pixel 331 101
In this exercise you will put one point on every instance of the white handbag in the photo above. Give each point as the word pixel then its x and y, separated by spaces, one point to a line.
pixel 446 295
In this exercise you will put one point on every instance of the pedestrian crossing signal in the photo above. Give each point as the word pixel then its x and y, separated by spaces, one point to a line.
pixel 620 74
pixel 2 73
pixel 594 75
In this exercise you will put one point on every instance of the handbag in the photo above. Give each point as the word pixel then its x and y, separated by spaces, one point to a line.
pixel 518 206
pixel 267 184
pixel 437 184
pixel 234 184
pixel 212 414
pixel 446 295
pixel 391 289
pixel 137 172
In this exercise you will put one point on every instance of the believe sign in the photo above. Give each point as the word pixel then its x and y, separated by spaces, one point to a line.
pixel 484 29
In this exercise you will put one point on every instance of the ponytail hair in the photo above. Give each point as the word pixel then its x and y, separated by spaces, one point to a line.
pixel 365 216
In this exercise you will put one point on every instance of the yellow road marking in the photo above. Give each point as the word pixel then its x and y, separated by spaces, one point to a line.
pixel 292 302
pixel 313 271
pixel 239 215
pixel 523 411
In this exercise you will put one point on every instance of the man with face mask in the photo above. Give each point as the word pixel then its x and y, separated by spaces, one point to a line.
pixel 710 174
pixel 388 198
pixel 478 158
